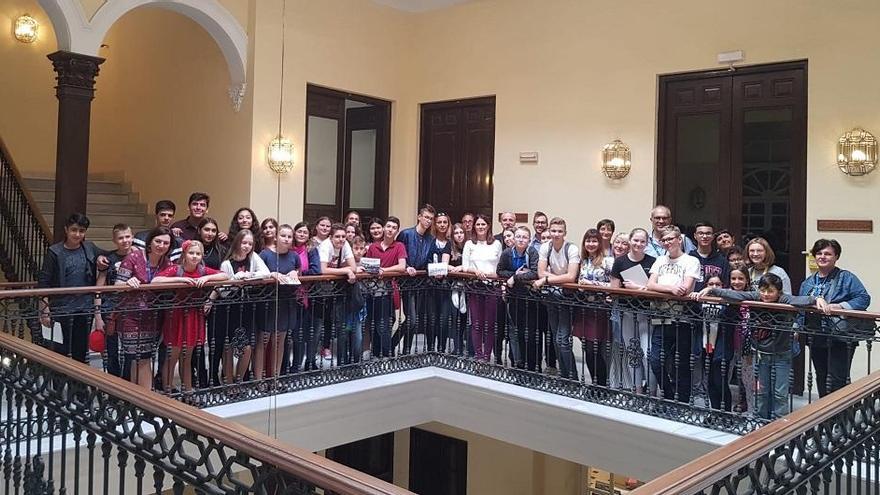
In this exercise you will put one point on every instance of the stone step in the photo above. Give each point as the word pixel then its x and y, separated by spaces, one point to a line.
pixel 136 221
pixel 93 197
pixel 95 185
pixel 48 207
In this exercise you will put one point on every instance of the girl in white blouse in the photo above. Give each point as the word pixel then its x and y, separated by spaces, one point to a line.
pixel 480 257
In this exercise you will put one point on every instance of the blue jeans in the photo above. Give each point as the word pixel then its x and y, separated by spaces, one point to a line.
pixel 559 323
pixel 772 397
pixel 350 342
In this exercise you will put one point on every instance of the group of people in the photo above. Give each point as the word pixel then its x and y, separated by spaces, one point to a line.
pixel 663 350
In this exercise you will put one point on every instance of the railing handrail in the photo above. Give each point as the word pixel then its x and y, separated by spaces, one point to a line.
pixel 703 471
pixel 298 462
pixel 647 294
pixel 32 204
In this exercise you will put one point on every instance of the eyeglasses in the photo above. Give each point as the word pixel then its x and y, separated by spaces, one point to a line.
pixel 667 240
pixel 704 234
pixel 660 218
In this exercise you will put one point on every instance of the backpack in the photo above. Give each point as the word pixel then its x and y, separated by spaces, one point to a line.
pixel 564 253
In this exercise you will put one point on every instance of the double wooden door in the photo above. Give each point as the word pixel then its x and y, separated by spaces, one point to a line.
pixel 347 154
pixel 457 156
pixel 732 151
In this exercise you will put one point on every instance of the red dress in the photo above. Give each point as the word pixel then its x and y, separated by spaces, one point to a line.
pixel 185 327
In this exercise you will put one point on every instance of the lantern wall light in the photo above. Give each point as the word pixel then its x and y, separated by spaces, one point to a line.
pixel 857 152
pixel 279 155
pixel 616 160
pixel 25 29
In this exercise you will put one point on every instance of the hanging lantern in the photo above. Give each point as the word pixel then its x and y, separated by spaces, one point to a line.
pixel 857 152
pixel 616 160
pixel 279 154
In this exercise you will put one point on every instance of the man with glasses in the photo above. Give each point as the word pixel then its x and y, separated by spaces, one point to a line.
pixel 661 217
pixel 539 222
pixel 674 273
pixel 418 242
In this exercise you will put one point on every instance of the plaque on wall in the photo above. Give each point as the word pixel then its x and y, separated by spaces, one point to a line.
pixel 845 226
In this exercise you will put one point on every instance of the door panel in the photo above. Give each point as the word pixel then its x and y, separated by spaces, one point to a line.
pixel 457 155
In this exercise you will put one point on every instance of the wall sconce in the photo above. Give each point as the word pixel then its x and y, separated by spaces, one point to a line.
pixel 25 29
pixel 279 155
pixel 857 152
pixel 616 160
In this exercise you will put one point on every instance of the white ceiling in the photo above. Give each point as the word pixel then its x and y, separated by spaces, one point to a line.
pixel 419 5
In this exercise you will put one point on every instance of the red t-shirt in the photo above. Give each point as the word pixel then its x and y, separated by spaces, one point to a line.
pixel 388 257
pixel 171 271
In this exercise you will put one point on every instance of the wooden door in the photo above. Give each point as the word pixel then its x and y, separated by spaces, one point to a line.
pixel 457 156
pixel 437 464
pixel 348 138
pixel 732 151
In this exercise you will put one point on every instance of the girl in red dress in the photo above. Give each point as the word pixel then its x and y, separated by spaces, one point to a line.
pixel 184 329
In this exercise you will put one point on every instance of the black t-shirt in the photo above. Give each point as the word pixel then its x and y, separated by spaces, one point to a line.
pixel 623 263
pixel 213 256
pixel 240 266
pixel 114 259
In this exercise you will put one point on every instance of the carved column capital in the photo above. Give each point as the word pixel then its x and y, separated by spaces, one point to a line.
pixel 75 73
pixel 236 94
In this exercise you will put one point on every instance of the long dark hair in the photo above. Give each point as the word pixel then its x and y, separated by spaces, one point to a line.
pixel 156 232
pixel 489 236
pixel 255 226
pixel 297 227
pixel 215 244
pixel 600 255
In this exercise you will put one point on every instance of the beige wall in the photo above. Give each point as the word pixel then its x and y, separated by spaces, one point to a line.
pixel 496 467
pixel 365 51
pixel 29 115
pixel 162 115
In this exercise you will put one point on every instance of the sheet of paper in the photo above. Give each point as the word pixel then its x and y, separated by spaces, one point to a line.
pixel 635 274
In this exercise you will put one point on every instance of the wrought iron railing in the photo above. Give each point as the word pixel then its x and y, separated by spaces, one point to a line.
pixel 71 429
pixel 831 447
pixel 616 359
pixel 24 235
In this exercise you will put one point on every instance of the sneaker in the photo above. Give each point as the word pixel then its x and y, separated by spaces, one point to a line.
pixel 551 371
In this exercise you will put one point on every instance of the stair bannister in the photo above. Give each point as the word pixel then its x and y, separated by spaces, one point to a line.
pixel 24 234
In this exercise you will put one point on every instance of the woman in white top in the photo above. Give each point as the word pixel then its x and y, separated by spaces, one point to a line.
pixel 239 319
pixel 480 257
pixel 761 259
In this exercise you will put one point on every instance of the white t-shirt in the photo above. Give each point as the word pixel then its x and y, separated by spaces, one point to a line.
pixel 672 272
pixel 328 255
pixel 481 256
pixel 556 262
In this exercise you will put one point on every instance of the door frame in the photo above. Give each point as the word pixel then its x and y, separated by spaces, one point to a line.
pixel 799 176
pixel 383 149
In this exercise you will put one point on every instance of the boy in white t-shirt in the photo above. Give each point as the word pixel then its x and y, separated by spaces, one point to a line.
pixel 673 273
pixel 558 263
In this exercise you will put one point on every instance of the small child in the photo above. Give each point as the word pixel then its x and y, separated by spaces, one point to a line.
pixel 185 328
pixel 704 343
pixel 773 348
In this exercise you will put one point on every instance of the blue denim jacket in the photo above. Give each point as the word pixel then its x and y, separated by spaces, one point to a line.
pixel 839 287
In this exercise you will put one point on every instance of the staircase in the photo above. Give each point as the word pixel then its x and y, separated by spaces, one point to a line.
pixel 110 201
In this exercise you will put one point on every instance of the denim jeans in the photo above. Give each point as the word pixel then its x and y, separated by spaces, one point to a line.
pixel 350 343
pixel 772 397
pixel 559 323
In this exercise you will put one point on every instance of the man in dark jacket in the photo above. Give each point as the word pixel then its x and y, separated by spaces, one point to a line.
pixel 517 265
pixel 70 263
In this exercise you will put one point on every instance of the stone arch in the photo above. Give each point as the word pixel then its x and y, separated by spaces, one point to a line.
pixel 78 34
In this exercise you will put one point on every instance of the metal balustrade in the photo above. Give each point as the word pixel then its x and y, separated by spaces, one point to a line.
pixel 618 353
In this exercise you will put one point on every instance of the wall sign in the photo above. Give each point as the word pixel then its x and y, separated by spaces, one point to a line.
pixel 845 226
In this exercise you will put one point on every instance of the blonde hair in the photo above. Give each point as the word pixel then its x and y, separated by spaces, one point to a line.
pixel 186 246
pixel 769 255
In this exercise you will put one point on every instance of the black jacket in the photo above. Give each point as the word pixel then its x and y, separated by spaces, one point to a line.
pixel 505 268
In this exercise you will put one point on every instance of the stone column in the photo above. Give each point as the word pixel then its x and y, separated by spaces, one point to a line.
pixel 75 90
